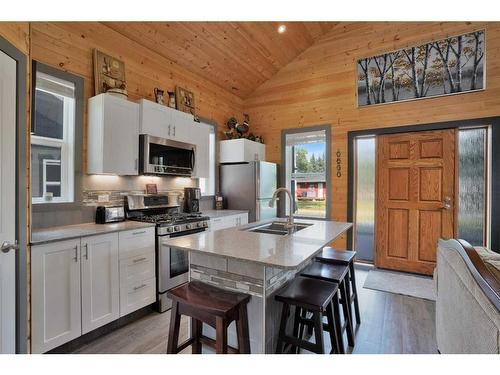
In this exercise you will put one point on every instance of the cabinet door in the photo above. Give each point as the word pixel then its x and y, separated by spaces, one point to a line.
pixel 55 294
pixel 182 126
pixel 155 119
pixel 100 281
pixel 121 136
pixel 201 138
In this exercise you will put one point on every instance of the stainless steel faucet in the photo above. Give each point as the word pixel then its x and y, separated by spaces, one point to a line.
pixel 275 196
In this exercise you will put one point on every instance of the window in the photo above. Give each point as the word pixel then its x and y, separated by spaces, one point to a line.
pixel 364 197
pixel 306 165
pixel 52 140
pixel 472 185
pixel 207 185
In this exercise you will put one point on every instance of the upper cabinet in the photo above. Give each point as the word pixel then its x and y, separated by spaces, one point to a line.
pixel 155 119
pixel 113 136
pixel 241 150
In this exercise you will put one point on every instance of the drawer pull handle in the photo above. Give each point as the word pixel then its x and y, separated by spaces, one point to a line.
pixel 140 260
pixel 139 287
pixel 141 232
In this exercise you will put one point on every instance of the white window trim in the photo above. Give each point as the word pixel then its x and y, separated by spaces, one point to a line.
pixel 67 146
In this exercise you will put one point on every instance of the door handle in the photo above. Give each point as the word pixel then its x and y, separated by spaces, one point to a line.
pixel 75 258
pixel 174 130
pixel 169 129
pixel 8 246
pixel 446 203
pixel 87 251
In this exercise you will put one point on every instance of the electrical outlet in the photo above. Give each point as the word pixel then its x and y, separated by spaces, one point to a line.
pixel 103 198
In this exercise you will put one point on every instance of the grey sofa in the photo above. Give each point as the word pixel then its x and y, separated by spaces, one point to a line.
pixel 468 303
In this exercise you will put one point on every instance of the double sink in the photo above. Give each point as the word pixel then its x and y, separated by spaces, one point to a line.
pixel 278 228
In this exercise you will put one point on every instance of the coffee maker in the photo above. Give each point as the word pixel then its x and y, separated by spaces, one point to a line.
pixel 192 200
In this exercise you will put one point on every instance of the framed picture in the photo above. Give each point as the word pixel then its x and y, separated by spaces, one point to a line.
pixel 109 74
pixel 151 189
pixel 184 100
pixel 445 67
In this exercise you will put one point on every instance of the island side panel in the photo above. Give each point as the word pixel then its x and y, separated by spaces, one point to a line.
pixel 237 276
pixel 275 279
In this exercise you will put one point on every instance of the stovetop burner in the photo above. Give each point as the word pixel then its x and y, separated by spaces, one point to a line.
pixel 171 218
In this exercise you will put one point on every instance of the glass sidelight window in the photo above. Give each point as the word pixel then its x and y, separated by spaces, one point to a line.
pixel 306 165
pixel 364 231
pixel 472 185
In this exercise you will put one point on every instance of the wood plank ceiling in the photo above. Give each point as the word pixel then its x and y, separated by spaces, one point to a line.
pixel 238 56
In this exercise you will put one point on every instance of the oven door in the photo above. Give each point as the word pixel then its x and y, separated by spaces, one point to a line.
pixel 173 264
pixel 160 156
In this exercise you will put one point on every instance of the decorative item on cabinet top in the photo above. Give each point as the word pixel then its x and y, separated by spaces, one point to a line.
pixel 184 100
pixel 158 95
pixel 109 75
pixel 237 130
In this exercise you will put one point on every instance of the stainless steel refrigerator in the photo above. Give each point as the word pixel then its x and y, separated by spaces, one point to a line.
pixel 250 186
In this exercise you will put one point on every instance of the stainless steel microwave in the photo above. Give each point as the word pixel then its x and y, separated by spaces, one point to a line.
pixel 161 156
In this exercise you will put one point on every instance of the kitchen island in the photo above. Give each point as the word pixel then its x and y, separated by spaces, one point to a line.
pixel 258 264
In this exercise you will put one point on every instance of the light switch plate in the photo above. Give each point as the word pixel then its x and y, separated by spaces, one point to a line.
pixel 103 198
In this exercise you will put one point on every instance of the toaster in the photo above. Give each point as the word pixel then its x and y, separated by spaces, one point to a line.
pixel 112 214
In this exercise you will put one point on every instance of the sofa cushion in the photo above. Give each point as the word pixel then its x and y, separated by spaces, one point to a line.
pixel 491 260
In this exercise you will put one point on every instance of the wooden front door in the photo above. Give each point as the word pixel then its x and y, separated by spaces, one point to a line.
pixel 415 198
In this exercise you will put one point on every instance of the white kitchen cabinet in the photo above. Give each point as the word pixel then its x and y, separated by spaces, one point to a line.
pixel 201 138
pixel 229 221
pixel 183 127
pixel 241 150
pixel 113 136
pixel 77 285
pixel 55 294
pixel 137 269
pixel 155 119
pixel 100 281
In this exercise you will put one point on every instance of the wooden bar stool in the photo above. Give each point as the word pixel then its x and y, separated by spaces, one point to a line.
pixel 211 305
pixel 312 295
pixel 345 257
pixel 338 274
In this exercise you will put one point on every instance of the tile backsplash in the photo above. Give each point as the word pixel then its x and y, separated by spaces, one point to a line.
pixel 116 187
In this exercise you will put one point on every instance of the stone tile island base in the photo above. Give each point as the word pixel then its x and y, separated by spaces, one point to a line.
pixel 260 281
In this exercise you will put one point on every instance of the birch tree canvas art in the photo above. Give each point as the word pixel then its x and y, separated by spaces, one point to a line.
pixel 449 66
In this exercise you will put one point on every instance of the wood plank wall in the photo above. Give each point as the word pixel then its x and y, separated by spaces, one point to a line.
pixel 319 87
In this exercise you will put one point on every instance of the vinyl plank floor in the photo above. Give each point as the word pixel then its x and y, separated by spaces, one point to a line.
pixel 390 323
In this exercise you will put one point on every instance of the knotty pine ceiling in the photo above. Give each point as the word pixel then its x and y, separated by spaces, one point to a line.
pixel 238 56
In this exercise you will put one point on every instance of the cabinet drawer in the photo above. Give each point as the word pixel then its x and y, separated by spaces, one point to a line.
pixel 136 242
pixel 137 294
pixel 138 267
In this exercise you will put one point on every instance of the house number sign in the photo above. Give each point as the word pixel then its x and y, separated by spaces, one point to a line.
pixel 339 168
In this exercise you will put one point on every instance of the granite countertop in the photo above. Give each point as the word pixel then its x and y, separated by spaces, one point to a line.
pixel 67 232
pixel 290 251
pixel 212 214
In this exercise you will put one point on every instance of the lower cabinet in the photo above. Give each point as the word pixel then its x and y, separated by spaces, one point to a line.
pixel 100 281
pixel 82 284
pixel 137 270
pixel 55 294
pixel 228 221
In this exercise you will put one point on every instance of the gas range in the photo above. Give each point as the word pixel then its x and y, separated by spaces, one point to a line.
pixel 176 222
